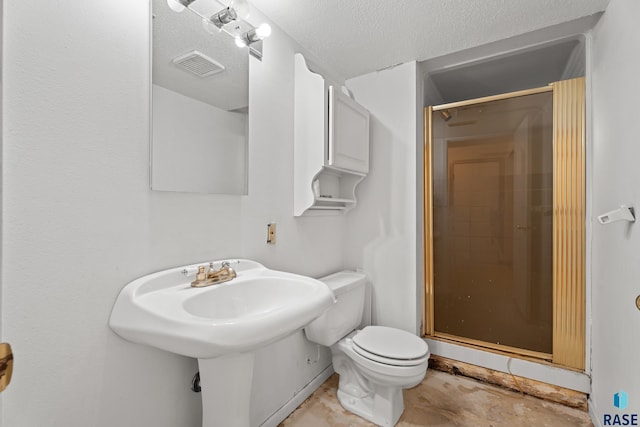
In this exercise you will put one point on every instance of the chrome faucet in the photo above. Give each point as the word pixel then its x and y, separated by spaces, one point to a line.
pixel 212 277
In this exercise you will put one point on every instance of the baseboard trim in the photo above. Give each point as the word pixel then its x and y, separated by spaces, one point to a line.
pixel 286 409
pixel 593 414
pixel 550 392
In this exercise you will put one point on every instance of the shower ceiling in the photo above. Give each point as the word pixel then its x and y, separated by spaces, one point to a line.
pixel 509 73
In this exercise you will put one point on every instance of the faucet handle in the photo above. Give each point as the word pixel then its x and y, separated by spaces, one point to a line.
pixel 201 276
pixel 225 264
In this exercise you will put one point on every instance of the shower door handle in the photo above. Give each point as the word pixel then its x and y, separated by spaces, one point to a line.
pixel 6 365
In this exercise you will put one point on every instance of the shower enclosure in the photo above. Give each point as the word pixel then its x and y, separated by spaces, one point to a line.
pixel 504 222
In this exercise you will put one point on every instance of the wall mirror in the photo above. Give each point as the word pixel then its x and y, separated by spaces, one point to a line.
pixel 199 104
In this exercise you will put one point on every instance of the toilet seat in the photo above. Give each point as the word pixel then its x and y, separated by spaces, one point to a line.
pixel 388 361
pixel 390 346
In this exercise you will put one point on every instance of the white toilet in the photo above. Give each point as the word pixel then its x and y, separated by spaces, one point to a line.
pixel 375 363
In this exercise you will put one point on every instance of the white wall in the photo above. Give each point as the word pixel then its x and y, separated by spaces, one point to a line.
pixel 196 147
pixel 382 228
pixel 311 246
pixel 80 221
pixel 616 247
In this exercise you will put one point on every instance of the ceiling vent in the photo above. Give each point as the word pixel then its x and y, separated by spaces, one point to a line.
pixel 197 63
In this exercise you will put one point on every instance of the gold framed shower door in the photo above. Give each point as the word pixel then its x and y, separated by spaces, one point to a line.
pixel 568 226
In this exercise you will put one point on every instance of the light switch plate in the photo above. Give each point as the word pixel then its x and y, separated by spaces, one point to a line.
pixel 271 233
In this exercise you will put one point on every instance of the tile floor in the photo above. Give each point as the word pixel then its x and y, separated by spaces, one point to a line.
pixel 444 400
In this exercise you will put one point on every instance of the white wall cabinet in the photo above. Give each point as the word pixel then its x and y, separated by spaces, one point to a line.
pixel 331 145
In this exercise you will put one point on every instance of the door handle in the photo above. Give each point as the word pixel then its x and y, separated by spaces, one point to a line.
pixel 6 365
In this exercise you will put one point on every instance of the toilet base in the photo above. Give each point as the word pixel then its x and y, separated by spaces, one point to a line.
pixel 383 407
pixel 374 396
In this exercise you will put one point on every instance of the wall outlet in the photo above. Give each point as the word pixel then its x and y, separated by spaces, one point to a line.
pixel 271 233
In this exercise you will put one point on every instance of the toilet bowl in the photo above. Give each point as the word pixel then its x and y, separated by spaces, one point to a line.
pixel 374 364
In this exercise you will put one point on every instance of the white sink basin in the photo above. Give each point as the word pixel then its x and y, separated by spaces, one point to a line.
pixel 252 298
pixel 222 325
pixel 256 308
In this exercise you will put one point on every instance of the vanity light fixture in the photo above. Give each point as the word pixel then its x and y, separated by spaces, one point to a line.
pixel 253 36
pixel 237 10
pixel 253 39
pixel 223 17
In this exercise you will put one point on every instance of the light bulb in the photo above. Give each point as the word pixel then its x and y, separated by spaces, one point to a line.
pixel 263 31
pixel 175 5
pixel 241 7
pixel 240 42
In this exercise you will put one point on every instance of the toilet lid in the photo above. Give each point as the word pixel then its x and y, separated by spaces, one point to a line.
pixel 390 343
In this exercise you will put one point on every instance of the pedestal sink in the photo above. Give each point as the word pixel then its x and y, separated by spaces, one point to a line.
pixel 221 325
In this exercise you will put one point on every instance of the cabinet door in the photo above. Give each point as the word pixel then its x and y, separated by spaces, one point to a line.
pixel 348 133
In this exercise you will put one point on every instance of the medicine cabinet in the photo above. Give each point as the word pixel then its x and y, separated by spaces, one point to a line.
pixel 331 145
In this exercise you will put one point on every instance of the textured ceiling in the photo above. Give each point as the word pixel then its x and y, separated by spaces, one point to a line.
pixel 354 37
pixel 175 34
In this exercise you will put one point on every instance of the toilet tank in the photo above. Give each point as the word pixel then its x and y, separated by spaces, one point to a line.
pixel 343 316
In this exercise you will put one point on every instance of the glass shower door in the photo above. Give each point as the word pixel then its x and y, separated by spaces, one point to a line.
pixel 492 213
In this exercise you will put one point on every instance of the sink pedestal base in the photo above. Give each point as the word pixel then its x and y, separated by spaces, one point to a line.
pixel 226 390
